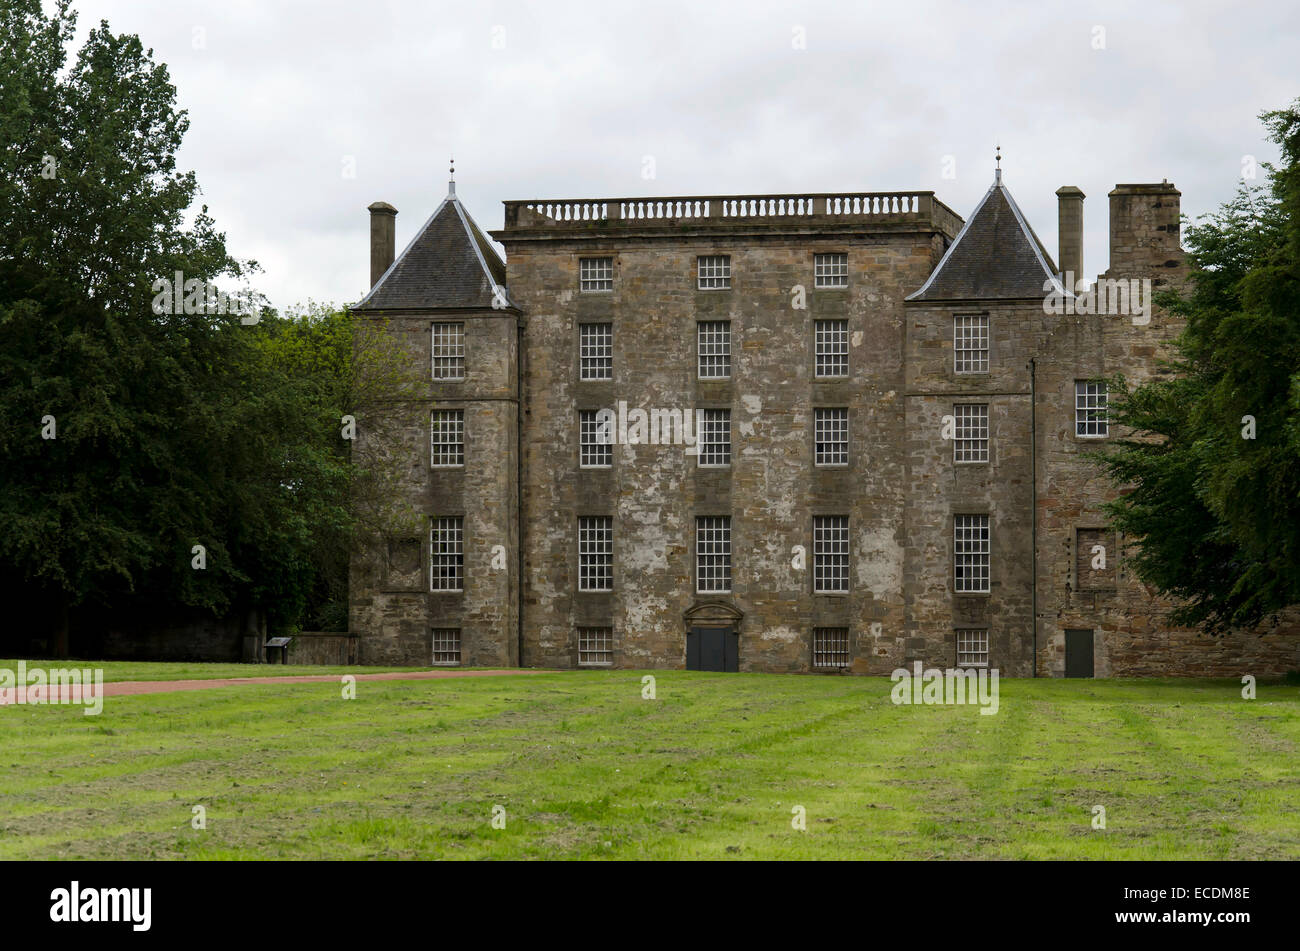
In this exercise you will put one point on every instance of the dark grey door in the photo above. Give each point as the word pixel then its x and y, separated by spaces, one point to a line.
pixel 1078 654
pixel 712 648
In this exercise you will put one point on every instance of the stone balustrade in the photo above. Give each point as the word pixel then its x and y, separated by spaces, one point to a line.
pixel 818 209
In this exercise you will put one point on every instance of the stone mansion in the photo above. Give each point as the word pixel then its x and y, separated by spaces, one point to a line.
pixel 816 432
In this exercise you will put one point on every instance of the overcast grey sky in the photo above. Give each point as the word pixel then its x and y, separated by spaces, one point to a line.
pixel 566 100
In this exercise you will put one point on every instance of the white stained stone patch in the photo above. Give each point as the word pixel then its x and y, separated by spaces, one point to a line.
pixel 753 404
pixel 857 338
pixel 880 562
pixel 642 614
pixel 786 634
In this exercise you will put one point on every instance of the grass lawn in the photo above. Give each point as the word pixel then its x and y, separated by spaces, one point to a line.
pixel 116 671
pixel 711 769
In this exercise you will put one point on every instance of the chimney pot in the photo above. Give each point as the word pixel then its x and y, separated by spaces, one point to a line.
pixel 383 239
pixel 1069 224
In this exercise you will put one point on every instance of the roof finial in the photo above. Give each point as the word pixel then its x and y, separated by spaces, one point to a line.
pixel 997 172
pixel 451 185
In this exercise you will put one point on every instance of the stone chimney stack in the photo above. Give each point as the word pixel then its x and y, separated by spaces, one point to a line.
pixel 383 239
pixel 1069 232
pixel 1145 231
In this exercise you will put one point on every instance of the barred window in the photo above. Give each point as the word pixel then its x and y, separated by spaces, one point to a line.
pixel 832 347
pixel 449 351
pixel 595 440
pixel 970 442
pixel 596 351
pixel 830 647
pixel 970 343
pixel 596 553
pixel 831 437
pixel 971 552
pixel 447 554
pixel 831 270
pixel 596 274
pixel 972 648
pixel 831 554
pixel 446 646
pixel 1091 419
pixel 713 554
pixel 595 646
pixel 714 271
pixel 714 345
pixel 447 437
pixel 715 437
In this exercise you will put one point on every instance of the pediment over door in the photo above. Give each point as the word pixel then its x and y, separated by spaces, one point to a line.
pixel 713 614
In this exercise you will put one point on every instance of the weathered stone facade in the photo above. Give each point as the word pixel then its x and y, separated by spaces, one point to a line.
pixel 912 267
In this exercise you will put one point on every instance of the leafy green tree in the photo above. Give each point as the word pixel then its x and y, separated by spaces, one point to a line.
pixel 1212 471
pixel 129 436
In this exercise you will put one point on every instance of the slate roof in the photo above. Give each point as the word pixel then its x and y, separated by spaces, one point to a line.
pixel 448 264
pixel 996 256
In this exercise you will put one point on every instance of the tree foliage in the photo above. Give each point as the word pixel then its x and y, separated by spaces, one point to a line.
pixel 1212 470
pixel 169 430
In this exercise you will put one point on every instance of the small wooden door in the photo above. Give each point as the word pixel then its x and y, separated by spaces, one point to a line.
pixel 713 648
pixel 1078 654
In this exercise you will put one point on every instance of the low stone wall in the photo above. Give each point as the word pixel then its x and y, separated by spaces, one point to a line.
pixel 323 647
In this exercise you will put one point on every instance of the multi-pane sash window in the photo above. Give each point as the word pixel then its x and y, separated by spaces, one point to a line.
pixel 447 437
pixel 596 351
pixel 970 441
pixel 972 648
pixel 1090 417
pixel 446 646
pixel 449 351
pixel 714 345
pixel 970 343
pixel 595 646
pixel 713 554
pixel 831 554
pixel 596 553
pixel 831 437
pixel 971 553
pixel 831 270
pixel 715 437
pixel 596 274
pixel 832 347
pixel 447 554
pixel 595 440
pixel 714 271
pixel 830 647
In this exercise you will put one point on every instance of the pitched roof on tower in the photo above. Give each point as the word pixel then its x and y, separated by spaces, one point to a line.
pixel 996 256
pixel 449 264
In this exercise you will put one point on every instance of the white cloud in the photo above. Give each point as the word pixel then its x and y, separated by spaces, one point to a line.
pixel 282 93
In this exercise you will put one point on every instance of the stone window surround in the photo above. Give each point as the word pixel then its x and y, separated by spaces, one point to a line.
pixel 831 336
pixel 453 528
pixel 722 525
pixel 952 536
pixel 720 260
pixel 1074 420
pixel 972 422
pixel 445 641
pixel 977 642
pixel 830 270
pixel 845 653
pixel 831 524
pixel 988 347
pixel 596 340
pixel 592 262
pixel 831 422
pixel 597 448
pixel 596 640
